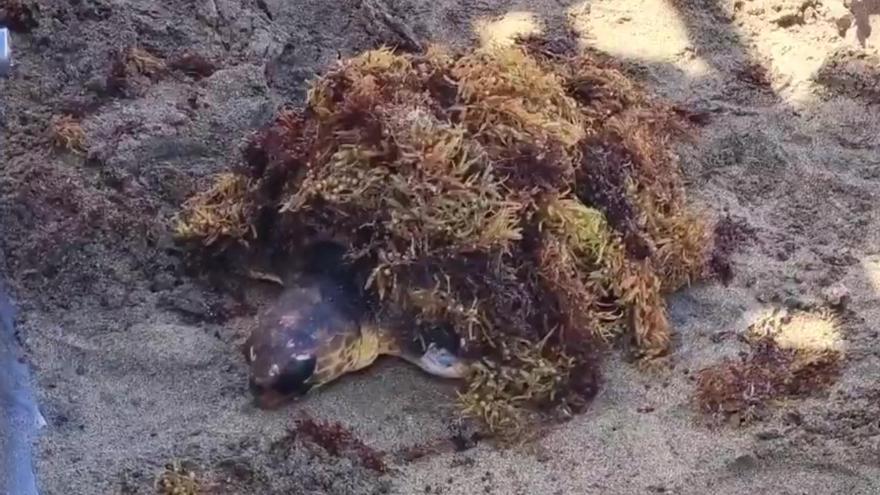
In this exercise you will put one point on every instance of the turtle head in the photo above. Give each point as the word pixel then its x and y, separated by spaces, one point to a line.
pixel 440 361
pixel 299 340
pixel 278 375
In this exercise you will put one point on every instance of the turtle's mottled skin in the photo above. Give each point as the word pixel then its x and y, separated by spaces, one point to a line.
pixel 316 332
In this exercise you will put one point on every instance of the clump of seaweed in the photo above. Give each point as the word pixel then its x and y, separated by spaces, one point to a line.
pixel 730 235
pixel 790 355
pixel 177 480
pixel 129 66
pixel 219 212
pixel 338 441
pixel 194 65
pixel 527 199
pixel 67 134
pixel 498 391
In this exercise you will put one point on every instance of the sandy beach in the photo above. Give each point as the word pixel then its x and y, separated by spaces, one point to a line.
pixel 136 362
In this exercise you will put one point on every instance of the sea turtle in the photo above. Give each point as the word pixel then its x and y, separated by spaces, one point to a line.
pixel 318 330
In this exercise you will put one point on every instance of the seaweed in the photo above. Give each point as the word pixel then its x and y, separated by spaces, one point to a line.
pixel 220 212
pixel 129 67
pixel 194 65
pixel 176 479
pixel 789 356
pixel 527 198
pixel 338 441
pixel 67 134
pixel 730 235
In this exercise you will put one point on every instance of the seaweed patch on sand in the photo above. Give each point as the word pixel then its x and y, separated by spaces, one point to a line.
pixel 525 197
pixel 790 355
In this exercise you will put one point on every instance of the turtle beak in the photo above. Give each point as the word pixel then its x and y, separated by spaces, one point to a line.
pixel 279 385
pixel 265 398
pixel 269 401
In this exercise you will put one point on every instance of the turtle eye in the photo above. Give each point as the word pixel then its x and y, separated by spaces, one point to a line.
pixel 292 379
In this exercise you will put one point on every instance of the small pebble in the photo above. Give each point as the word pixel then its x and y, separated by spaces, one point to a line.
pixel 836 296
pixel 162 281
pixel 793 302
pixel 743 463
pixel 768 435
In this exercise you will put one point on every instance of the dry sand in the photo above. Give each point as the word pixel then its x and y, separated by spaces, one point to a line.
pixel 136 363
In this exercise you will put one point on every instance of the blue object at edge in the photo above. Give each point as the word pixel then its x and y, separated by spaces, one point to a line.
pixel 5 51
pixel 19 417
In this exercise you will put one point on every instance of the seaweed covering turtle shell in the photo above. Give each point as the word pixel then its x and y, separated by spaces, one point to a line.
pixel 528 200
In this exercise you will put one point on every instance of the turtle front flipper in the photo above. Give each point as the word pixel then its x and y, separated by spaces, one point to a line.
pixel 431 357
pixel 441 362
